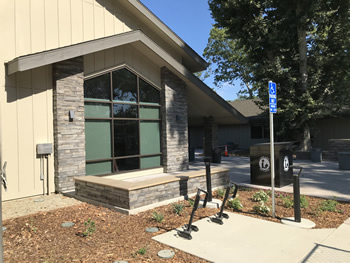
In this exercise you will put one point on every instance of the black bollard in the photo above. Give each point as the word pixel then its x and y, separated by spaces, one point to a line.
pixel 208 177
pixel 296 192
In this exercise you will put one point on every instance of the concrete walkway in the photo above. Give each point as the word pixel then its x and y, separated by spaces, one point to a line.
pixel 246 239
pixel 318 179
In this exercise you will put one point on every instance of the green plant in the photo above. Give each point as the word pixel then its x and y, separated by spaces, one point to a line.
pixel 90 227
pixel 304 202
pixel 261 208
pixel 220 192
pixel 329 205
pixel 141 251
pixel 235 204
pixel 31 226
pixel 178 208
pixel 287 201
pixel 260 196
pixel 191 202
pixel 158 217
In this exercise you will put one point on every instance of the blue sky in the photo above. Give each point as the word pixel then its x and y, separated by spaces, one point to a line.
pixel 191 21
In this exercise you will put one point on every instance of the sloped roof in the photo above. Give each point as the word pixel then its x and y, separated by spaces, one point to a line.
pixel 248 108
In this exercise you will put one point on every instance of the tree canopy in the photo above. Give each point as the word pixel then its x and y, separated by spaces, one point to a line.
pixel 302 45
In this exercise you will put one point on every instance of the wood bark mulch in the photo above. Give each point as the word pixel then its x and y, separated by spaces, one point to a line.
pixel 41 238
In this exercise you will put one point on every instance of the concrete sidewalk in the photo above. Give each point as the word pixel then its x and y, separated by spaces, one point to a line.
pixel 246 239
pixel 317 179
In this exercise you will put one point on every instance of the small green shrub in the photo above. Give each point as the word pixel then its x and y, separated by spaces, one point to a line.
pixel 178 208
pixel 220 192
pixel 142 251
pixel 261 208
pixel 287 201
pixel 235 204
pixel 90 227
pixel 260 196
pixel 191 202
pixel 304 202
pixel 329 205
pixel 269 193
pixel 158 217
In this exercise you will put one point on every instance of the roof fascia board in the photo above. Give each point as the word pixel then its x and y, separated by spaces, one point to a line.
pixel 172 35
pixel 52 56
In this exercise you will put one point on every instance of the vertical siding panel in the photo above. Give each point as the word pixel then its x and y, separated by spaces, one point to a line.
pixel 39 78
pixel 77 21
pixel 64 23
pixel 25 141
pixel 88 21
pixel 40 132
pixel 99 21
pixel 109 18
pixel 128 55
pixel 10 145
pixel 118 18
pixel 23 27
pixel 137 60
pixel 7 33
pixel 89 63
pixel 51 24
pixel 109 58
pixel 38 25
pixel 24 79
pixel 119 55
pixel 99 60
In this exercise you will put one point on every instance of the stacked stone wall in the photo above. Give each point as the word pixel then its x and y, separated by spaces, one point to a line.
pixel 131 199
pixel 69 134
pixel 174 122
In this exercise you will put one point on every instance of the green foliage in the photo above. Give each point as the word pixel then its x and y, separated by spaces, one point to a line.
pixel 304 202
pixel 90 227
pixel 178 208
pixel 287 201
pixel 158 217
pixel 220 192
pixel 235 204
pixel 329 205
pixel 31 227
pixel 260 196
pixel 142 251
pixel 191 202
pixel 261 208
pixel 303 46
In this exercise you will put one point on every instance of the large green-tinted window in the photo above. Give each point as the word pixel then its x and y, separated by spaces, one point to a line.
pixel 122 123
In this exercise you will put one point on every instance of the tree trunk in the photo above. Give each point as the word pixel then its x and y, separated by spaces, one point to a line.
pixel 302 46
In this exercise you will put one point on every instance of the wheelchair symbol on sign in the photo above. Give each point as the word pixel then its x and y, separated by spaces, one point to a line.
pixel 272 89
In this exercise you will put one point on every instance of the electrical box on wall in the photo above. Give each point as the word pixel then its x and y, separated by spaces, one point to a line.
pixel 44 148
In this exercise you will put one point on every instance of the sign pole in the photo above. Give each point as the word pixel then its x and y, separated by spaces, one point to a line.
pixel 272 158
pixel 273 109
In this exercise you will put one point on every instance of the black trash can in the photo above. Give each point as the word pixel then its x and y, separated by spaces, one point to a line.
pixel 260 164
pixel 316 155
pixel 216 155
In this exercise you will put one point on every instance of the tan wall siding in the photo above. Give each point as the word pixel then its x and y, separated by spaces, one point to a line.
pixel 123 55
pixel 26 119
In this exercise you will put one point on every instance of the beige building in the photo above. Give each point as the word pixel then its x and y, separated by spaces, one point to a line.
pixel 105 83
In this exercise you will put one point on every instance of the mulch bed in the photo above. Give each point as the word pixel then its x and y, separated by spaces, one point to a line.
pixel 41 238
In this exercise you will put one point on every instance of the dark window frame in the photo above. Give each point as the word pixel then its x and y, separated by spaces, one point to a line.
pixel 112 120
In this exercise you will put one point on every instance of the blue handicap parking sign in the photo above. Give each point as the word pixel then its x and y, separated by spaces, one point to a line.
pixel 273 97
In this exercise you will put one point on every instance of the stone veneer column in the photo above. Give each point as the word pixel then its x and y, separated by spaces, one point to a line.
pixel 210 135
pixel 174 122
pixel 69 135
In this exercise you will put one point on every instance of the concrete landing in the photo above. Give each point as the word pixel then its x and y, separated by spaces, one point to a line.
pixel 246 239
